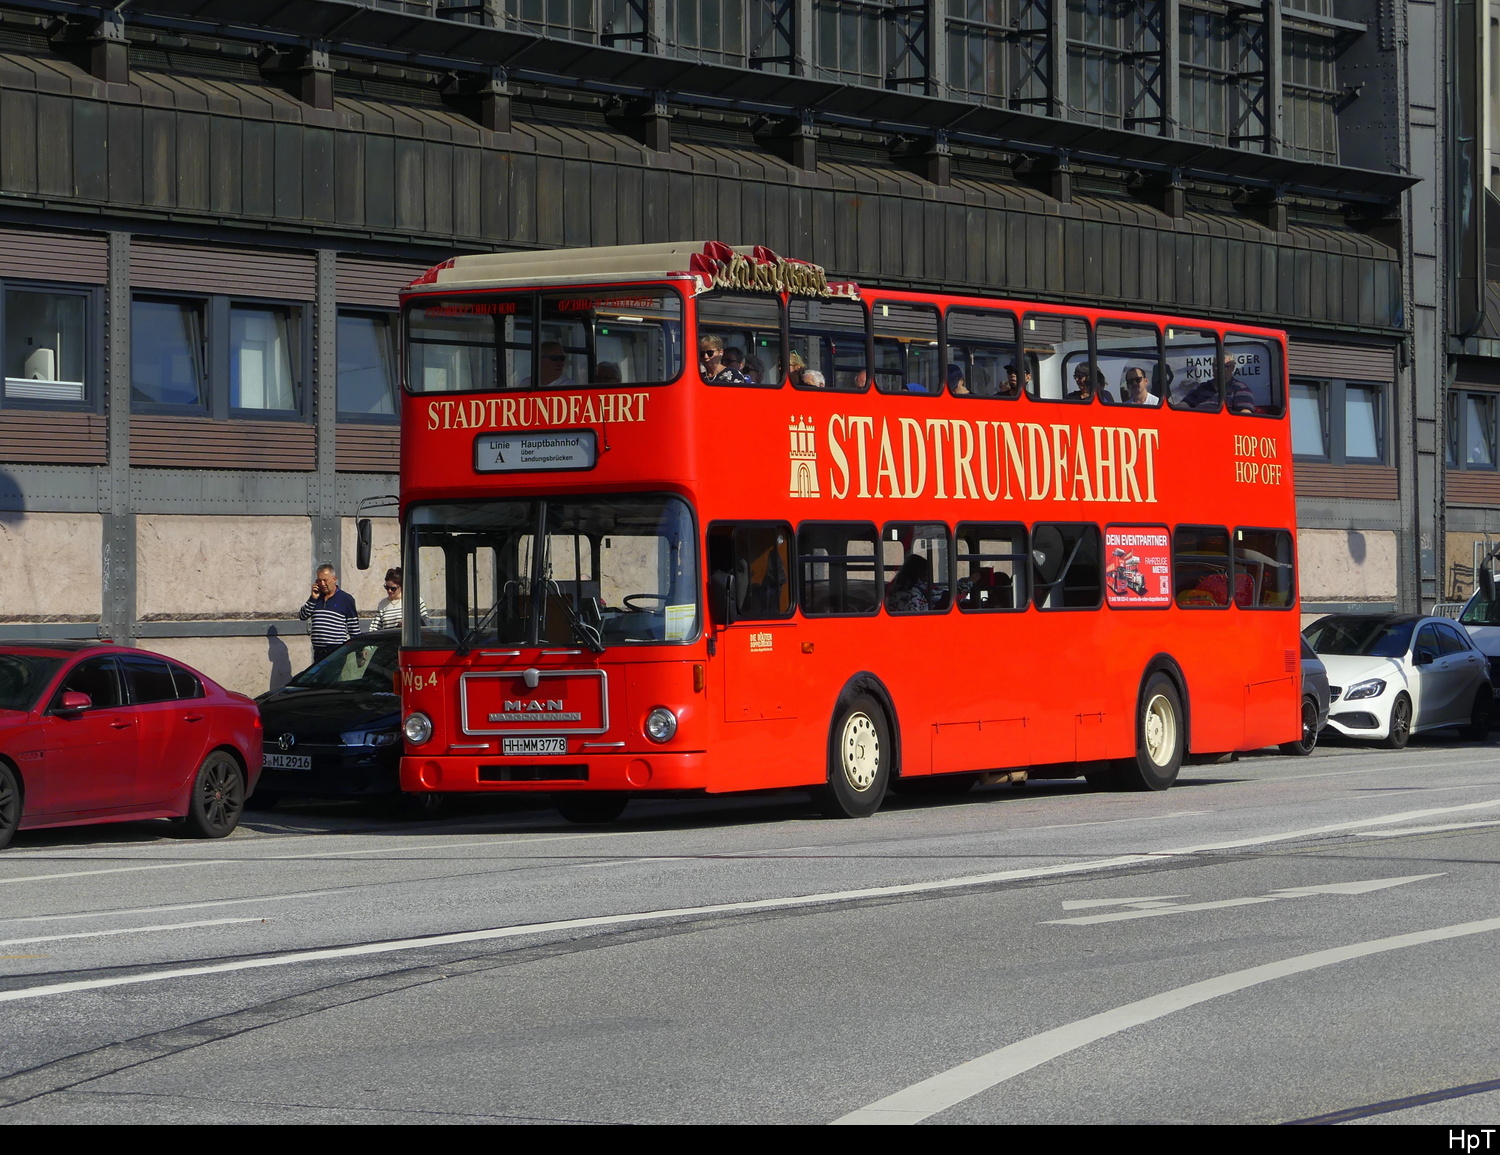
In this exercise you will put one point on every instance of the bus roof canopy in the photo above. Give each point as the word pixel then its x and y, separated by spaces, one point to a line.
pixel 568 266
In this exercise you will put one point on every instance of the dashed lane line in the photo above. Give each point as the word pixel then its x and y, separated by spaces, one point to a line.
pixel 125 930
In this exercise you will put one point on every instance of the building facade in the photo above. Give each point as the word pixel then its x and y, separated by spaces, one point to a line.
pixel 207 208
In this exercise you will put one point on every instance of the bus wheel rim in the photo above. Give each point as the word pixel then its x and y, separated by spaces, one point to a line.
pixel 861 752
pixel 1160 730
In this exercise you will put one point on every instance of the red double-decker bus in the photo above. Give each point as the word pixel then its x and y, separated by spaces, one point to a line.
pixel 691 518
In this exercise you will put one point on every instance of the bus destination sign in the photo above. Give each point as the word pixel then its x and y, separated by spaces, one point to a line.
pixel 526 452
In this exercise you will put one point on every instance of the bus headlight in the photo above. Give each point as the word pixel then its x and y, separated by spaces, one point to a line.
pixel 1370 688
pixel 661 724
pixel 417 728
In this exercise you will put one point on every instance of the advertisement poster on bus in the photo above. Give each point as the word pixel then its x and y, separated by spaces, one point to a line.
pixel 1137 566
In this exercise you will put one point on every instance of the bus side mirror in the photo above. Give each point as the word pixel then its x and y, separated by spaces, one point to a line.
pixel 721 601
pixel 1487 579
pixel 362 551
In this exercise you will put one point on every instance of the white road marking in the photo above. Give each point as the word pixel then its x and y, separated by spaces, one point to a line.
pixel 125 930
pixel 1156 909
pixel 427 844
pixel 951 1087
pixel 1424 829
pixel 174 906
pixel 1150 900
pixel 830 897
pixel 115 870
pixel 1116 821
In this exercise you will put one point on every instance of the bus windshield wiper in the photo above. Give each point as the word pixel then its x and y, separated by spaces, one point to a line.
pixel 583 632
pixel 472 637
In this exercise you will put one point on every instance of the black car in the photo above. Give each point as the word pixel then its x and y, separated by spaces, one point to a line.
pixel 333 731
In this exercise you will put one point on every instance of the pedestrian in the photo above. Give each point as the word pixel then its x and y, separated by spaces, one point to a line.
pixel 388 612
pixel 331 610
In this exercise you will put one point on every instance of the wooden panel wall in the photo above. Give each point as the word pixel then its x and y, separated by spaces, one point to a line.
pixel 1473 487
pixel 240 151
pixel 53 438
pixel 1351 362
pixel 367 448
pixel 373 283
pixel 198 443
pixel 77 258
pixel 223 269
pixel 1371 482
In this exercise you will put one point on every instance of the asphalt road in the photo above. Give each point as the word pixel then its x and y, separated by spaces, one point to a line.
pixel 1272 940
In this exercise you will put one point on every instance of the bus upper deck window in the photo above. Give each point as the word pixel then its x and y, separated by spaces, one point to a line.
pixel 1192 363
pixel 832 340
pixel 468 345
pixel 1057 363
pixel 607 337
pixel 1129 366
pixel 1250 376
pixel 739 340
pixel 907 349
pixel 982 353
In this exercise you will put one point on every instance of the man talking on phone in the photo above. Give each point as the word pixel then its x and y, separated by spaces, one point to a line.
pixel 334 618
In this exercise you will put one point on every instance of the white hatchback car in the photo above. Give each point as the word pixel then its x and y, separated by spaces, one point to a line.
pixel 1393 675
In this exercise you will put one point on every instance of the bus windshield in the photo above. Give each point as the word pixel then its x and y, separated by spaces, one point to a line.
pixel 1481 611
pixel 617 570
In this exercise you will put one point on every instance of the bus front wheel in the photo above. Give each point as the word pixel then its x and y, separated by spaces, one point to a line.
pixel 859 760
pixel 1160 738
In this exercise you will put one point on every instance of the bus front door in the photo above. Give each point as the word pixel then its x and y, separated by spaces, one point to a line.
pixel 760 671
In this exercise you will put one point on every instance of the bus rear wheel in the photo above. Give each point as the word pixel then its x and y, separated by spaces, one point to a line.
pixel 1160 738
pixel 859 760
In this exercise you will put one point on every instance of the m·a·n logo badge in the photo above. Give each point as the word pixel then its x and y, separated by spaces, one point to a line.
pixel 804 457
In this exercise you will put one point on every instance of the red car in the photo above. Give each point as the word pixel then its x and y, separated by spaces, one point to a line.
pixel 99 733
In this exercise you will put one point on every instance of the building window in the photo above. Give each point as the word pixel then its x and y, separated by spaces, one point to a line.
pixel 260 359
pixel 46 345
pixel 217 357
pixel 1309 420
pixel 367 366
pixel 167 361
pixel 997 52
pixel 1341 422
pixel 1310 96
pixel 1471 430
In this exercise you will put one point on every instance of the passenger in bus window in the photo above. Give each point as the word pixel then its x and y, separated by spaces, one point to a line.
pixel 1237 390
pixel 795 367
pixel 734 358
pixel 1138 387
pixel 754 369
pixel 607 373
pixel 1204 395
pixel 1015 382
pixel 1086 383
pixel 554 369
pixel 711 363
pixel 910 590
pixel 812 379
pixel 956 384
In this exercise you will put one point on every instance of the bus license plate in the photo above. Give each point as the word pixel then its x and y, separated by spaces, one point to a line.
pixel 288 762
pixel 534 746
